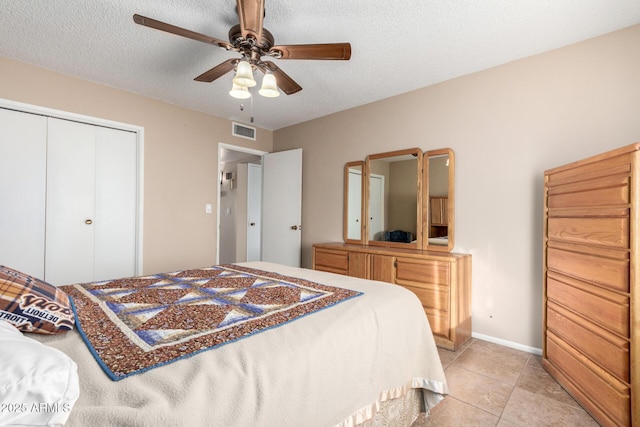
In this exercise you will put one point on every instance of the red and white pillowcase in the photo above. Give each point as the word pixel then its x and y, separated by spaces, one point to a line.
pixel 32 305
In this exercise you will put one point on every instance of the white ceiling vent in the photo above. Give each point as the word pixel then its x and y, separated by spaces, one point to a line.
pixel 243 131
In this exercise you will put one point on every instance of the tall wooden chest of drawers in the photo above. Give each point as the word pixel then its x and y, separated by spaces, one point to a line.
pixel 591 301
pixel 442 281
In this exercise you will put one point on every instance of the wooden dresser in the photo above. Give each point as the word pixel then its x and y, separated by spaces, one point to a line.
pixel 441 280
pixel 591 312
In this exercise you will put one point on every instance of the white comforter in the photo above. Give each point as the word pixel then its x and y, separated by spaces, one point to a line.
pixel 328 368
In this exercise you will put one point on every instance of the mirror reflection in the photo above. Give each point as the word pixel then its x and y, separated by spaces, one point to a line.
pixel 353 208
pixel 438 215
pixel 394 182
pixel 438 220
pixel 401 199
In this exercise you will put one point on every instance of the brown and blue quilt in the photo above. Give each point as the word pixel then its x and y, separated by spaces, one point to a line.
pixel 135 324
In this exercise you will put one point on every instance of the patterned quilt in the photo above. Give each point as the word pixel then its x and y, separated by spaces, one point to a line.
pixel 135 324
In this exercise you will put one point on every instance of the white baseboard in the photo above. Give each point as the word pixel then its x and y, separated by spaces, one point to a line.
pixel 506 343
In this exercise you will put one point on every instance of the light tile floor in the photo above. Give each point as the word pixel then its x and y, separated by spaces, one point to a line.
pixel 493 385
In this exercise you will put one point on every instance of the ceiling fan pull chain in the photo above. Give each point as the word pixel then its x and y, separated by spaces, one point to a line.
pixel 251 119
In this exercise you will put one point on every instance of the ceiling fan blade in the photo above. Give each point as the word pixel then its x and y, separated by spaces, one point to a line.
pixel 286 83
pixel 312 51
pixel 251 14
pixel 162 26
pixel 217 71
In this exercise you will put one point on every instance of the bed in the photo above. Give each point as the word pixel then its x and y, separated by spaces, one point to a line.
pixel 368 360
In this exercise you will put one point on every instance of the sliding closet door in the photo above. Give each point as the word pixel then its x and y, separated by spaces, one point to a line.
pixel 91 203
pixel 115 204
pixel 23 139
pixel 70 202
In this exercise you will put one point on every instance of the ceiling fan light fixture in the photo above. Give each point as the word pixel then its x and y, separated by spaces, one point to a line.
pixel 239 92
pixel 269 87
pixel 244 75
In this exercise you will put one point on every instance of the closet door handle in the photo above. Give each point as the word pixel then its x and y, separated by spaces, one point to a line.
pixel 88 222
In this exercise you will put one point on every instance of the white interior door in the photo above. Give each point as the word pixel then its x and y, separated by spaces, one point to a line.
pixel 254 211
pixel 282 207
pixel 23 139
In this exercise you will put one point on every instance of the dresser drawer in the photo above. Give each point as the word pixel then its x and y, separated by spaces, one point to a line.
pixel 435 301
pixel 439 322
pixel 410 271
pixel 605 349
pixel 608 393
pixel 602 191
pixel 332 261
pixel 610 312
pixel 610 273
pixel 433 297
pixel 611 232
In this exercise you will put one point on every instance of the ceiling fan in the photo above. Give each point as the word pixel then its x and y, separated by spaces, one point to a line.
pixel 250 39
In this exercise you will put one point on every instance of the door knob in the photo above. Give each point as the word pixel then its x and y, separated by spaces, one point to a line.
pixel 296 227
pixel 252 224
pixel 88 222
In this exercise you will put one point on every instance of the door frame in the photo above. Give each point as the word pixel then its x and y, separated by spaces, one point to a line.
pixel 225 146
pixel 138 130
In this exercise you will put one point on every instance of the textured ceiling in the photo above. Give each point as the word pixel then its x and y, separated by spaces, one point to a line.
pixel 397 46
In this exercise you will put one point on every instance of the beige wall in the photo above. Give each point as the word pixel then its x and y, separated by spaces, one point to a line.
pixel 180 158
pixel 402 205
pixel 506 125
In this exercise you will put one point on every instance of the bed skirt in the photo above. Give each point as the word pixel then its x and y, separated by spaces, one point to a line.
pixel 401 411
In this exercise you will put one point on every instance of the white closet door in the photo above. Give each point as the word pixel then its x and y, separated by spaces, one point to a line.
pixel 69 256
pixel 115 204
pixel 91 203
pixel 23 139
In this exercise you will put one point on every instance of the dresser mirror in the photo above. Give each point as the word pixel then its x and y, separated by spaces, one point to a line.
pixel 439 208
pixel 393 198
pixel 353 207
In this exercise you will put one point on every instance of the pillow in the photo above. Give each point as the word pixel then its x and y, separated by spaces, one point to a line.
pixel 38 384
pixel 32 305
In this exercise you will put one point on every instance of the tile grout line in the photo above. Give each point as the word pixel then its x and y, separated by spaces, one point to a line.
pixel 524 367
pixel 513 387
